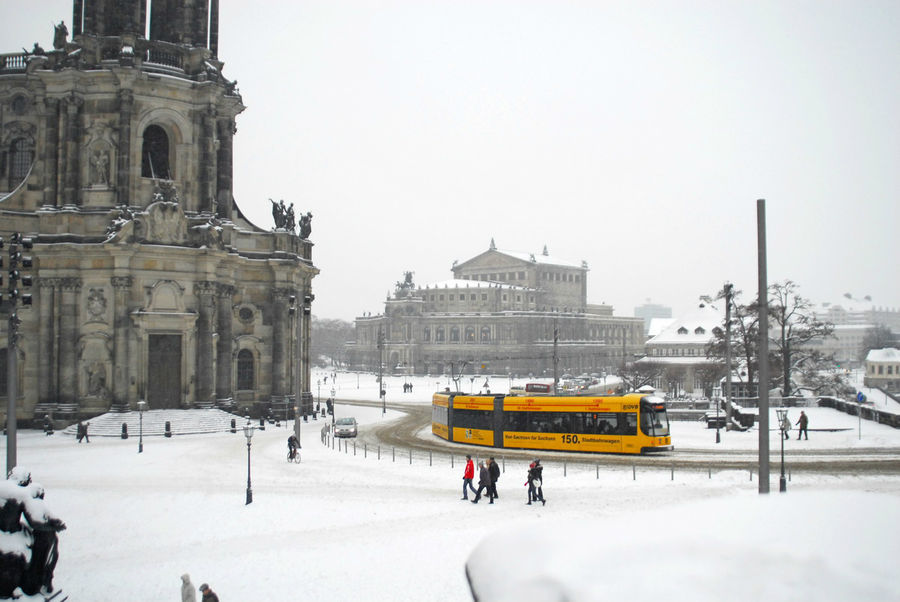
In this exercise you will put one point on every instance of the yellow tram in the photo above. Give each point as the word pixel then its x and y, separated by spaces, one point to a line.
pixel 622 424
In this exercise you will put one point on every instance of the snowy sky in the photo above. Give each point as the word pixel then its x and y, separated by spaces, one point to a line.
pixel 636 136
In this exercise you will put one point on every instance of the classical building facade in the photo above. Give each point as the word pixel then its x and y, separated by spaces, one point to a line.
pixel 678 353
pixel 149 283
pixel 504 312
pixel 883 369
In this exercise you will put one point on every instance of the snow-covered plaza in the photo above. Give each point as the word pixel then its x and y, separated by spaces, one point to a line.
pixel 347 526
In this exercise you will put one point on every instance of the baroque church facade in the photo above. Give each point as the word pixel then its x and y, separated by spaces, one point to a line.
pixel 149 282
pixel 503 312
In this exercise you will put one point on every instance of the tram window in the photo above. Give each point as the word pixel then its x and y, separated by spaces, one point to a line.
pixel 517 421
pixel 628 423
pixel 562 422
pixel 607 424
pixel 654 423
pixel 540 422
pixel 439 414
pixel 476 419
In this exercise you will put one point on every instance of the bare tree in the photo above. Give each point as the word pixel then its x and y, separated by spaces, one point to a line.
pixel 877 337
pixel 795 326
pixel 744 337
pixel 637 374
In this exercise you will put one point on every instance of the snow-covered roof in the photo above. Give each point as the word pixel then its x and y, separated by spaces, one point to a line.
pixel 888 354
pixel 459 283
pixel 695 327
pixel 657 325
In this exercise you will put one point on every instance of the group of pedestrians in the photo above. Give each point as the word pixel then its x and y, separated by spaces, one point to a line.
pixel 489 474
pixel 802 422
pixel 189 595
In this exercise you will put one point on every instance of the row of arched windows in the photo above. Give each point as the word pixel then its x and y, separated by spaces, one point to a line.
pixel 454 334
pixel 18 157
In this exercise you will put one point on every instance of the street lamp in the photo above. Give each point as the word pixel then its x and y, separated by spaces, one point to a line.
pixel 142 407
pixel 782 420
pixel 248 432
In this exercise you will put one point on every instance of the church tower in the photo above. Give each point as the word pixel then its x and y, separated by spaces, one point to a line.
pixel 116 151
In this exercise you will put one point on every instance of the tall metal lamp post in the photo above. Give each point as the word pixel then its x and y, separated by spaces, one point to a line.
pixel 782 420
pixel 248 432
pixel 142 407
pixel 381 391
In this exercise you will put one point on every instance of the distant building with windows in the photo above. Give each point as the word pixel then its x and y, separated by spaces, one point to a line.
pixel 680 350
pixel 883 369
pixel 651 311
pixel 502 312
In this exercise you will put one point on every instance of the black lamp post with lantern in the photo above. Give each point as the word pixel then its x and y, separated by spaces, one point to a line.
pixel 248 432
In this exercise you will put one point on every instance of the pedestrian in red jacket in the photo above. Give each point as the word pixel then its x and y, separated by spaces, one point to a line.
pixel 468 475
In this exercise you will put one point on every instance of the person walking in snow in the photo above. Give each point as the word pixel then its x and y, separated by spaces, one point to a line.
pixel 208 594
pixel 484 482
pixel 468 475
pixel 187 589
pixel 494 471
pixel 786 426
pixel 536 483
pixel 803 422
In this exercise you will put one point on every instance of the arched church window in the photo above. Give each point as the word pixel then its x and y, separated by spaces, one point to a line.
pixel 439 334
pixel 155 154
pixel 470 335
pixel 245 370
pixel 485 334
pixel 454 334
pixel 21 155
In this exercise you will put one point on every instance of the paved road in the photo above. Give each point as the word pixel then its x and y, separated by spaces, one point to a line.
pixel 404 433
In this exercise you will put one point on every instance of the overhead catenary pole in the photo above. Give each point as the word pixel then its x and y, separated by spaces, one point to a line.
pixel 729 292
pixel 763 370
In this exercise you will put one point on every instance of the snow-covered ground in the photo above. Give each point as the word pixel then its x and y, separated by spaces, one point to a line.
pixel 340 526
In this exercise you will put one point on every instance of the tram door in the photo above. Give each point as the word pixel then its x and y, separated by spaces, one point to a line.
pixel 499 425
pixel 164 371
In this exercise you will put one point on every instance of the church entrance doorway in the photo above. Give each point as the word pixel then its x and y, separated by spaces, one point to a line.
pixel 164 371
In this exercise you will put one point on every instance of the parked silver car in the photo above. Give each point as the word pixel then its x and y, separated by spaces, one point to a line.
pixel 345 427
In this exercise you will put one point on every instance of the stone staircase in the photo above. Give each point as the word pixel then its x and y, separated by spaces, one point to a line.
pixel 182 422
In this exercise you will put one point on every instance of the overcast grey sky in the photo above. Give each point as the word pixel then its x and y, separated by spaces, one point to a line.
pixel 635 136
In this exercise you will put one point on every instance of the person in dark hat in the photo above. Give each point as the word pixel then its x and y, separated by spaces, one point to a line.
pixel 208 594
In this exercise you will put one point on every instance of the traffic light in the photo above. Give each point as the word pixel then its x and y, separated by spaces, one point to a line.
pixel 17 278
pixel 18 259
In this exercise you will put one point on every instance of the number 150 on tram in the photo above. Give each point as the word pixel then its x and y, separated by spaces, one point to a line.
pixel 622 424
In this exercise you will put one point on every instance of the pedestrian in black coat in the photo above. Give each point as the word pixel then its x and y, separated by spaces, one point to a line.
pixel 484 482
pixel 494 471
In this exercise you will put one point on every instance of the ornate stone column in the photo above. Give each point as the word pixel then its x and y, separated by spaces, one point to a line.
pixel 224 167
pixel 224 344
pixel 206 304
pixel 280 340
pixel 121 327
pixel 72 142
pixel 123 152
pixel 48 298
pixel 207 192
pixel 68 336
pixel 50 152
